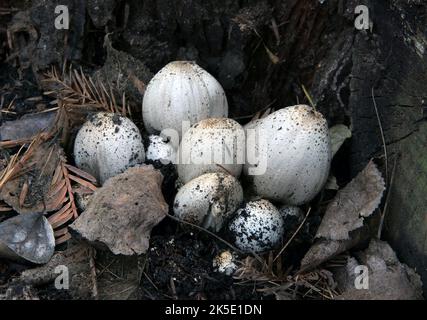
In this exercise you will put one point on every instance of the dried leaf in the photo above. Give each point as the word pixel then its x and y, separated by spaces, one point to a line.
pixel 388 278
pixel 27 237
pixel 338 134
pixel 136 192
pixel 345 215
pixel 331 183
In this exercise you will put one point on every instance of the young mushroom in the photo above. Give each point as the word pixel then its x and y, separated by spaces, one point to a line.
pixel 182 91
pixel 296 143
pixel 208 200
pixel 212 145
pixel 257 227
pixel 225 263
pixel 160 149
pixel 107 144
pixel 291 213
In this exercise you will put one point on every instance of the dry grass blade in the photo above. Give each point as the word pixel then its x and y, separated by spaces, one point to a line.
pixel 293 236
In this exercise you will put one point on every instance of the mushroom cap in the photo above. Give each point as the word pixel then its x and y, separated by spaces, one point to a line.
pixel 107 144
pixel 224 263
pixel 160 149
pixel 298 155
pixel 212 145
pixel 208 200
pixel 182 91
pixel 257 227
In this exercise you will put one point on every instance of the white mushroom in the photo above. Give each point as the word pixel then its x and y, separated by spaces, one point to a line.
pixel 208 200
pixel 224 263
pixel 291 212
pixel 212 145
pixel 182 91
pixel 296 143
pixel 107 144
pixel 257 227
pixel 160 149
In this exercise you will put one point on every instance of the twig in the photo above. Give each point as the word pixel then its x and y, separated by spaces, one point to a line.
pixel 92 267
pixel 382 134
pixel 205 230
pixel 380 227
pixel 293 236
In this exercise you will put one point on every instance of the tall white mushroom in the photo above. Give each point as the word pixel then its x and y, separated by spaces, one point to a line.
pixel 296 144
pixel 107 144
pixel 182 91
pixel 212 145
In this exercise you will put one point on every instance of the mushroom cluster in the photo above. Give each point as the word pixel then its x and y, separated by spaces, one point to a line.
pixel 292 144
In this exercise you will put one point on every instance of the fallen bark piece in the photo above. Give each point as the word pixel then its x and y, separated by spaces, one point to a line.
pixel 388 279
pixel 73 264
pixel 343 225
pixel 122 213
pixel 28 238
pixel 27 126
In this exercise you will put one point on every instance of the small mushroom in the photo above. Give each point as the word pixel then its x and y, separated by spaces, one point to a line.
pixel 107 144
pixel 160 149
pixel 208 200
pixel 257 227
pixel 224 263
pixel 291 213
pixel 212 145
pixel 297 146
pixel 182 91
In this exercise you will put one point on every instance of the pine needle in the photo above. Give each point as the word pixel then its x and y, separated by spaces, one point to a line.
pixel 308 97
